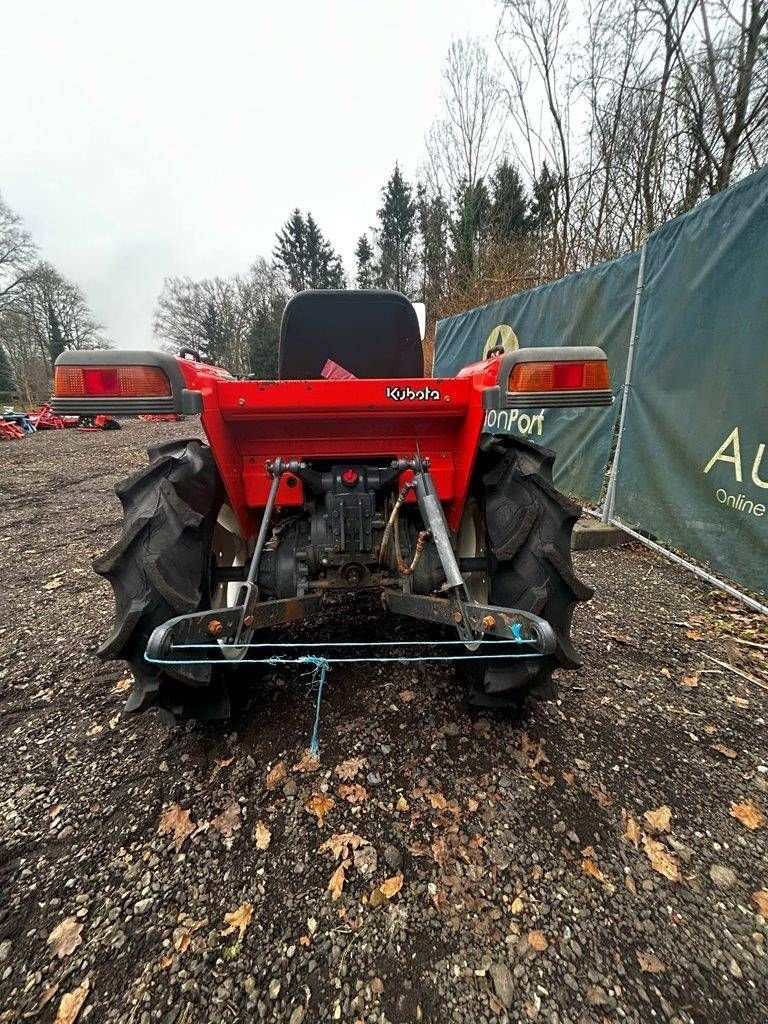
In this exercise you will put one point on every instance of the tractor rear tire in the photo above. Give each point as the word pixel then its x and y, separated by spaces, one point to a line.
pixel 160 568
pixel 528 526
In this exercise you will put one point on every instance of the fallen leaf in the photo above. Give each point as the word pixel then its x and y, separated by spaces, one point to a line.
pixel 377 986
pixel 276 775
pixel 748 815
pixel 165 962
pixel 589 867
pixel 661 860
pixel 406 696
pixel 348 769
pixel 603 799
pixel 123 684
pixel 760 899
pixel 353 794
pixel 659 819
pixel 342 844
pixel 689 681
pixel 178 822
pixel 65 937
pixel 72 1003
pixel 649 962
pixel 472 805
pixel 238 920
pixel 583 766
pixel 304 940
pixel 693 635
pixel 227 821
pixel 402 804
pixel 309 763
pixel 538 941
pixel 534 751
pixel 740 702
pixel 319 804
pixel 223 762
pixel 437 800
pixel 336 883
pixel 262 835
pixel 728 752
pixel 666 673
pixel 629 882
pixel 391 886
pixel 632 833
pixel 55 810
pixel 517 905
pixel 53 584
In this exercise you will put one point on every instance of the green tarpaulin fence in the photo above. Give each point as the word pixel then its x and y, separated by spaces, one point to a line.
pixel 693 470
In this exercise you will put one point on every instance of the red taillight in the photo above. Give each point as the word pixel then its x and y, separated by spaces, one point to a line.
pixel 110 382
pixel 350 477
pixel 589 375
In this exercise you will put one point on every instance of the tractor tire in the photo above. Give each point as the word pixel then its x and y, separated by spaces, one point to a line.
pixel 160 568
pixel 528 526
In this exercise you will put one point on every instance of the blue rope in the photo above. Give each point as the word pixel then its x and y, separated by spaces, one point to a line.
pixel 321 665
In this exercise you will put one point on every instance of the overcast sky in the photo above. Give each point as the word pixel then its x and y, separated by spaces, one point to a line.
pixel 175 138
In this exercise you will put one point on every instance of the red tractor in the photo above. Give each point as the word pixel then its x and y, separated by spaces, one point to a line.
pixel 375 478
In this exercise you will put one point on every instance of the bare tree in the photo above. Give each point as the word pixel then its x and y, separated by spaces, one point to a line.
pixel 464 142
pixel 17 253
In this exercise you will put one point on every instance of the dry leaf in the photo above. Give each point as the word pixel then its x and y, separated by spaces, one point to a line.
pixel 740 702
pixel 319 804
pixel 472 805
pixel 649 962
pixel 377 986
pixel 228 821
pixel 748 815
pixel 659 819
pixel 165 962
pixel 534 751
pixel 693 635
pixel 760 899
pixel 583 766
pixel 65 937
pixel 517 905
pixel 72 1003
pixel 689 681
pixel 262 835
pixel 666 673
pixel 55 810
pixel 336 883
pixel 353 794
pixel 342 844
pixel 438 801
pixel 276 776
pixel 309 763
pixel 406 696
pixel 629 882
pixel 238 920
pixel 223 762
pixel 661 860
pixel 632 833
pixel 391 886
pixel 589 867
pixel 602 798
pixel 53 584
pixel 728 752
pixel 402 804
pixel 178 822
pixel 538 941
pixel 123 684
pixel 348 769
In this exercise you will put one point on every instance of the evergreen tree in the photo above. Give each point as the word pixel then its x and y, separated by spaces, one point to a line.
pixel 7 382
pixel 397 230
pixel 291 251
pixel 305 255
pixel 264 337
pixel 543 200
pixel 509 208
pixel 364 257
pixel 433 229
pixel 469 228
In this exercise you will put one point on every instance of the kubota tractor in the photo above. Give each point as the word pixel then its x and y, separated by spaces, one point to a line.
pixel 375 478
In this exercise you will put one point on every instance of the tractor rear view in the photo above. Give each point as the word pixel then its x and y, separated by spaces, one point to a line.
pixel 352 471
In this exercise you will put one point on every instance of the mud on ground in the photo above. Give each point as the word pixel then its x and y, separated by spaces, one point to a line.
pixel 536 883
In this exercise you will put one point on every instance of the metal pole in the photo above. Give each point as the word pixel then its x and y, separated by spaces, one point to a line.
pixel 610 494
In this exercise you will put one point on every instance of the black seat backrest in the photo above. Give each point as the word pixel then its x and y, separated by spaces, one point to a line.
pixel 369 333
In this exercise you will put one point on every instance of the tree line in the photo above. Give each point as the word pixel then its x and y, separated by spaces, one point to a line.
pixel 41 314
pixel 567 144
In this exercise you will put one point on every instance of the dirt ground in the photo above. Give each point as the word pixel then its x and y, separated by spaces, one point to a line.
pixel 495 868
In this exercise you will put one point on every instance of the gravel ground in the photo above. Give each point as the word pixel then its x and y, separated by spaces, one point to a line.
pixel 491 868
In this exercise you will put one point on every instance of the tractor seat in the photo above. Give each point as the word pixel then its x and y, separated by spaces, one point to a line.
pixel 369 333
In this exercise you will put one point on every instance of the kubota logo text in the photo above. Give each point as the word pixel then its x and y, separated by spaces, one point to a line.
pixel 409 395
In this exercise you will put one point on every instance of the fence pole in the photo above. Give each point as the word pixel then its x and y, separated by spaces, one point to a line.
pixel 610 494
